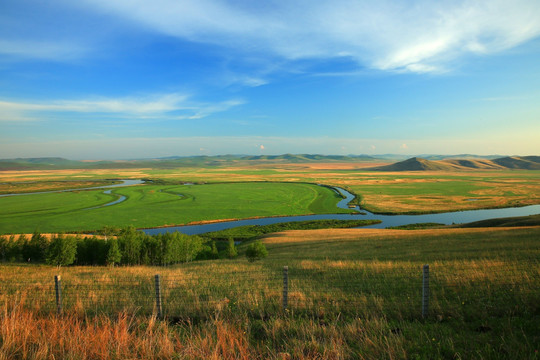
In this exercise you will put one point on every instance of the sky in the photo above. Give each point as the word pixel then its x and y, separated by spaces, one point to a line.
pixel 123 79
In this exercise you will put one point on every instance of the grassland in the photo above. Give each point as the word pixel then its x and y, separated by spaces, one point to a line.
pixel 161 205
pixel 42 186
pixel 388 192
pixel 353 294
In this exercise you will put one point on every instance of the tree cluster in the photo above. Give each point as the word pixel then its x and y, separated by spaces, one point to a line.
pixel 117 247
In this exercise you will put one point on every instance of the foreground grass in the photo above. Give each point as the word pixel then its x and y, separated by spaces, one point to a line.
pixel 160 205
pixel 353 293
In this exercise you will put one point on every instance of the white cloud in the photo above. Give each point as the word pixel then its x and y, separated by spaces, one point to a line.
pixel 48 50
pixel 416 36
pixel 174 105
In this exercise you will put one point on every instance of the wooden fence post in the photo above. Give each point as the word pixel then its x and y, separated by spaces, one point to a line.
pixel 58 291
pixel 425 291
pixel 158 297
pixel 285 287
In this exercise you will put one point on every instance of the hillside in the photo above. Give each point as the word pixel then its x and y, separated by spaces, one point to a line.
pixel 176 161
pixel 515 162
pixel 420 164
pixel 414 164
pixel 433 163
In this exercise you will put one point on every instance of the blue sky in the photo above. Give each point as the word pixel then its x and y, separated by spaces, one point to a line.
pixel 103 79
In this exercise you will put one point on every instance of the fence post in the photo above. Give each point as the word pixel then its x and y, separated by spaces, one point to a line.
pixel 58 291
pixel 285 287
pixel 158 296
pixel 425 291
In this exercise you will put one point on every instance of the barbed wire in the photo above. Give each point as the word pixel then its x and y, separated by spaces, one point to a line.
pixel 258 288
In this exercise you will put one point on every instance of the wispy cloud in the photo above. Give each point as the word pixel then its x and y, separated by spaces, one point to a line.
pixel 47 50
pixel 417 36
pixel 174 105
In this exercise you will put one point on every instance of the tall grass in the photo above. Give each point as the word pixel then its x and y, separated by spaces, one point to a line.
pixel 360 299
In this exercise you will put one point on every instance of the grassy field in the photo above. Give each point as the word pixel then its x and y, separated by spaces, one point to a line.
pixel 398 192
pixel 159 205
pixel 353 294
pixel 39 186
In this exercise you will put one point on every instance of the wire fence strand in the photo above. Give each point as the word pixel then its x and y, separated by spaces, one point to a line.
pixel 456 290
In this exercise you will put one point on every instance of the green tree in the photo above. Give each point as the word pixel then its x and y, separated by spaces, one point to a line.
pixel 61 251
pixel 231 251
pixel 4 246
pixel 35 250
pixel 130 241
pixel 256 251
pixel 214 252
pixel 114 256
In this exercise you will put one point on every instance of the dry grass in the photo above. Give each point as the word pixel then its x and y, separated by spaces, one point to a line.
pixel 300 236
pixel 353 294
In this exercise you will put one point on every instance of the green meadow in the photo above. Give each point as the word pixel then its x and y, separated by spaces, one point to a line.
pixel 160 205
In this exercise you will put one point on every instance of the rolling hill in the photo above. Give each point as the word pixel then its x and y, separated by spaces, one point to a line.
pixel 413 164
pixel 420 164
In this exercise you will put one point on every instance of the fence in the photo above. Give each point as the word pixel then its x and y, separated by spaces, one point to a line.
pixel 400 291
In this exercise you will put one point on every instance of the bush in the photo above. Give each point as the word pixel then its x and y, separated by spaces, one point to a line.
pixel 114 256
pixel 61 251
pixel 231 251
pixel 256 251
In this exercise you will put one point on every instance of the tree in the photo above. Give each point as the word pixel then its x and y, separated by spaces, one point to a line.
pixel 256 251
pixel 4 245
pixel 61 251
pixel 35 250
pixel 231 251
pixel 214 251
pixel 114 256
pixel 130 241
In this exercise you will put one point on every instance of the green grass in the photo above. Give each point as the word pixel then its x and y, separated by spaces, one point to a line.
pixel 158 205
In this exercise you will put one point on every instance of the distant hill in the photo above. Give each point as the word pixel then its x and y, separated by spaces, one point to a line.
pixel 414 164
pixel 175 161
pixel 300 158
pixel 36 163
pixel 459 157
pixel 515 162
pixel 420 164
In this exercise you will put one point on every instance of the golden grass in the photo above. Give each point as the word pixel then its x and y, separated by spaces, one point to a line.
pixel 296 236
pixel 344 307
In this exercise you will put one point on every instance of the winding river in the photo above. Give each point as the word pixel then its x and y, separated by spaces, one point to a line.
pixel 124 183
pixel 448 218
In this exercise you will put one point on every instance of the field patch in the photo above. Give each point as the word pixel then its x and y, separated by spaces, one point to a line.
pixel 161 205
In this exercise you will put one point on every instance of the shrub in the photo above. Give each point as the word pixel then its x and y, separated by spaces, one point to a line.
pixel 256 251
pixel 114 256
pixel 61 251
pixel 231 251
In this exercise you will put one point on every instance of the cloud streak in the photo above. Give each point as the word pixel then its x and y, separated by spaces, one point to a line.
pixel 174 105
pixel 419 36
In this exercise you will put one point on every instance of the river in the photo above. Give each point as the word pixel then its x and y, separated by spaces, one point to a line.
pixel 124 183
pixel 448 218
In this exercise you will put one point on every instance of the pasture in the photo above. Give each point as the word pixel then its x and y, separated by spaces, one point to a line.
pixel 161 205
pixel 353 293
pixel 382 192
